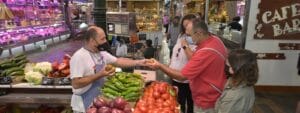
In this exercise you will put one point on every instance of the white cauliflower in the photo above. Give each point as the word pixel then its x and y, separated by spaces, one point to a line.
pixel 34 77
pixel 44 67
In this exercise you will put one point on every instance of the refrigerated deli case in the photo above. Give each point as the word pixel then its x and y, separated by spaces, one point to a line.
pixel 24 22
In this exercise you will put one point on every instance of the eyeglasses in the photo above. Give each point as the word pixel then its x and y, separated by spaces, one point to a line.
pixel 178 51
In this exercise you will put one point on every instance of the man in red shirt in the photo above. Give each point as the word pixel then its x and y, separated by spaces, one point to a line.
pixel 205 70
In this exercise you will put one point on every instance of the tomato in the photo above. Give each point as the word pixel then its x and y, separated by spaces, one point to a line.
pixel 156 94
pixel 137 111
pixel 159 100
pixel 159 105
pixel 177 111
pixel 163 87
pixel 150 101
pixel 165 96
pixel 151 107
pixel 167 103
pixel 143 109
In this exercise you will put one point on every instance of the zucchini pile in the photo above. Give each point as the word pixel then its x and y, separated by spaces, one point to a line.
pixel 14 66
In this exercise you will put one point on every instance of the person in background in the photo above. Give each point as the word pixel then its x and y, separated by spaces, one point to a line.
pixel 199 16
pixel 238 95
pixel 183 51
pixel 87 68
pixel 134 38
pixel 166 22
pixel 235 24
pixel 1 50
pixel 149 50
pixel 204 70
pixel 173 32
pixel 121 49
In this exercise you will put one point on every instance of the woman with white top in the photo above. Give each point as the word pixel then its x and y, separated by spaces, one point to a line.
pixel 182 51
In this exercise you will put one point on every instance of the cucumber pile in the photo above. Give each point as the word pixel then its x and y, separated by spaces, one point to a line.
pixel 126 85
pixel 14 66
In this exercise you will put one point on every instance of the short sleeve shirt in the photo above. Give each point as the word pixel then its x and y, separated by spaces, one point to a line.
pixel 83 64
pixel 205 71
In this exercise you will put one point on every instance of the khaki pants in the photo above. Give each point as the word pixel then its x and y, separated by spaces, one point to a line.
pixel 199 110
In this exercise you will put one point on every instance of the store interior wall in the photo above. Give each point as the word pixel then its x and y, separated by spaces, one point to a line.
pixel 231 8
pixel 272 72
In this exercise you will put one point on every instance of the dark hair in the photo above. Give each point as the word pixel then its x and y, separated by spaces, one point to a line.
pixel 177 18
pixel 1 50
pixel 186 17
pixel 244 65
pixel 149 43
pixel 237 18
pixel 90 33
pixel 122 42
pixel 199 24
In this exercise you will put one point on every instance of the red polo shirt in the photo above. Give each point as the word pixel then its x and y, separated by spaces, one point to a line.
pixel 204 69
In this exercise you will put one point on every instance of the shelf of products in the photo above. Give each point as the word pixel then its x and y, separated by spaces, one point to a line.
pixel 22 21
pixel 147 13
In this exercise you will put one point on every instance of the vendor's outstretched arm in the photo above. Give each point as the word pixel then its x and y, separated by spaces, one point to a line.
pixel 126 62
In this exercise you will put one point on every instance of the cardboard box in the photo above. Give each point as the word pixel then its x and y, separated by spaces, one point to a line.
pixel 148 75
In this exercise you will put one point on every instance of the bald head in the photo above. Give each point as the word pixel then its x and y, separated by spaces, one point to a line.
pixel 93 32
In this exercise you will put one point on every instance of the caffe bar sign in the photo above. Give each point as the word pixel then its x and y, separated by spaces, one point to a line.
pixel 278 20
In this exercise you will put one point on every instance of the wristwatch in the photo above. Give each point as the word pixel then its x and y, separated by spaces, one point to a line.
pixel 184 47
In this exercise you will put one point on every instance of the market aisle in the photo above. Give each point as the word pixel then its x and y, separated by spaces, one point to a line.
pixel 55 52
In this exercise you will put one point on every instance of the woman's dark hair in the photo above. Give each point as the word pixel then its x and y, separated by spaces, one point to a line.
pixel 186 17
pixel 149 43
pixel 237 19
pixel 244 65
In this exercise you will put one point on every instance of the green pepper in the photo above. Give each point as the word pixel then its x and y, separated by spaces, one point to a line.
pixel 132 99
pixel 114 79
pixel 121 77
pixel 120 85
pixel 110 91
pixel 132 94
pixel 137 75
pixel 172 92
pixel 111 86
pixel 130 90
pixel 109 95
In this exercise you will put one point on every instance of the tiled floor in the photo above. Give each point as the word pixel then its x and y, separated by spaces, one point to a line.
pixel 265 102
pixel 276 102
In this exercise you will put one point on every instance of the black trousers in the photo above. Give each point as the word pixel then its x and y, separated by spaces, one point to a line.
pixel 166 27
pixel 184 97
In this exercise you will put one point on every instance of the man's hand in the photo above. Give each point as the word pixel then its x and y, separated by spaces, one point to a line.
pixel 106 71
pixel 184 43
pixel 140 62
pixel 152 63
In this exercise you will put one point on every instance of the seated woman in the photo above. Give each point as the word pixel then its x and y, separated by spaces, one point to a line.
pixel 149 51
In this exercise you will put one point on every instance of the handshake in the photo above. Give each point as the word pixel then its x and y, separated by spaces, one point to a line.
pixel 152 63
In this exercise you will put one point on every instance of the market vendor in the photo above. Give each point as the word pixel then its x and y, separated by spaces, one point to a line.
pixel 205 70
pixel 87 68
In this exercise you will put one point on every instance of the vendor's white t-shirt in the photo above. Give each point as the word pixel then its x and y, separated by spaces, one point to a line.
pixel 82 64
pixel 179 58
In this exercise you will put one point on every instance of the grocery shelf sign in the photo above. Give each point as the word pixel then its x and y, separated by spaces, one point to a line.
pixel 279 20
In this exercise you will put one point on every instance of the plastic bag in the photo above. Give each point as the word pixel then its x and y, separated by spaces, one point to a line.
pixel 165 52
